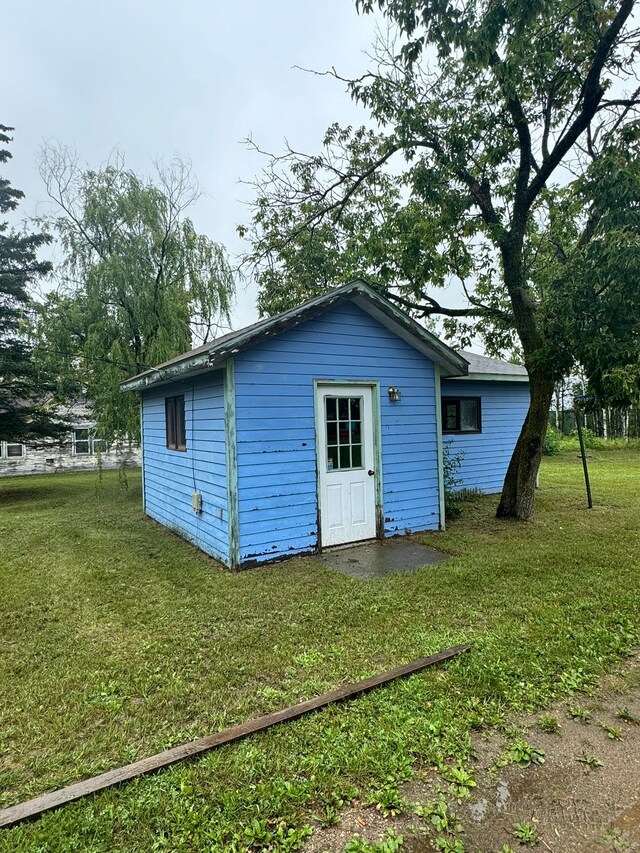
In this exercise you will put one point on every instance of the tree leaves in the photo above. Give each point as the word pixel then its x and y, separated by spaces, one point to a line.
pixel 138 284
pixel 24 389
pixel 489 116
pixel 479 107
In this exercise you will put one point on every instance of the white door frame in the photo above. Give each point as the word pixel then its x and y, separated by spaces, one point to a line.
pixel 376 428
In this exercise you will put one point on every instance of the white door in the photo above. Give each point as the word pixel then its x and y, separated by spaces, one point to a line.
pixel 346 464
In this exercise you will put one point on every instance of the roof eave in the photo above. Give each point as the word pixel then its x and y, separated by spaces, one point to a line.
pixel 160 376
pixel 493 377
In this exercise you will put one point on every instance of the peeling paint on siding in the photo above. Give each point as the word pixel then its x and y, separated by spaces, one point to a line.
pixel 53 460
pixel 277 466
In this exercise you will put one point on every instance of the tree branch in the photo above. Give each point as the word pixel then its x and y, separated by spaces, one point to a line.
pixel 590 96
pixel 434 307
pixel 589 229
pixel 519 118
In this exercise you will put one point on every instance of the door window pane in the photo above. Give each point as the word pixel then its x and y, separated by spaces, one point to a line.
pixel 343 432
pixel 332 458
pixel 345 458
pixel 343 419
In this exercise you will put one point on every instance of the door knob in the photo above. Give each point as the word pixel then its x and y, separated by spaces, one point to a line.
pixel 370 472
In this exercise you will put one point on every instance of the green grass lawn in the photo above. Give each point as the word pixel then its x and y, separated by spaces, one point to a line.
pixel 118 640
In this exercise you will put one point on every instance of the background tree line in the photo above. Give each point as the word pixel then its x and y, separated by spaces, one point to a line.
pixel 607 422
pixel 26 390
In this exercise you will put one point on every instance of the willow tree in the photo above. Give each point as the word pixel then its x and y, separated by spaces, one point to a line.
pixel 137 284
pixel 494 125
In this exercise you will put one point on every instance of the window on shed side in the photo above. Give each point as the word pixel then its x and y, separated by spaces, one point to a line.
pixel 175 422
pixel 461 414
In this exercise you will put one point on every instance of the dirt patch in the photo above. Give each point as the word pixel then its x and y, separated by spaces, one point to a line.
pixel 585 798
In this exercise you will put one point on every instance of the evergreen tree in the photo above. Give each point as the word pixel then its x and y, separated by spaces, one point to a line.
pixel 26 413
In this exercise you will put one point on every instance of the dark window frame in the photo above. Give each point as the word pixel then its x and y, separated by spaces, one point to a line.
pixel 448 401
pixel 175 423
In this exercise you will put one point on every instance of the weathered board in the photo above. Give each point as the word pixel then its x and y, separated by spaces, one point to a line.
pixel 38 805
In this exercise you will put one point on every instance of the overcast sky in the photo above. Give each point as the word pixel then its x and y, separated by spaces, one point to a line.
pixel 193 77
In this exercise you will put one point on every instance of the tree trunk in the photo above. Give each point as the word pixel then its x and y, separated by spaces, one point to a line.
pixel 519 487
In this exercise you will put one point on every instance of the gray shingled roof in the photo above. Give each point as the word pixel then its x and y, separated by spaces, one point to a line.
pixel 216 352
pixel 481 365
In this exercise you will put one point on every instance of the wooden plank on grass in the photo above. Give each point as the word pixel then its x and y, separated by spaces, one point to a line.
pixel 35 807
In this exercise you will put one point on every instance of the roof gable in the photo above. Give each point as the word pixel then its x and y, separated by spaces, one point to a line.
pixel 214 354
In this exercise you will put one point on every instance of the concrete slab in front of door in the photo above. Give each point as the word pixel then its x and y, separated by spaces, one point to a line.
pixel 380 558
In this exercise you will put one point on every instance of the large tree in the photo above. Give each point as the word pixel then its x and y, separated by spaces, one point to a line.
pixel 502 156
pixel 137 284
pixel 26 410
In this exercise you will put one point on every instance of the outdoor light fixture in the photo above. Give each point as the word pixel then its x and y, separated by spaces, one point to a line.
pixel 394 394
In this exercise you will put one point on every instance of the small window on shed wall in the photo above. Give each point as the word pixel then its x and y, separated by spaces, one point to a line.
pixel 175 422
pixel 461 414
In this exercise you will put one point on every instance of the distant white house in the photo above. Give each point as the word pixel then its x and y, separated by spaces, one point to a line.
pixel 79 451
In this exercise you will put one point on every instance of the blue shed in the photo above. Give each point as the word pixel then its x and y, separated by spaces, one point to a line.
pixel 319 427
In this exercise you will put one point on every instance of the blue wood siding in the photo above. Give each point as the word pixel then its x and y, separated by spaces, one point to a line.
pixel 276 429
pixel 486 455
pixel 171 476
